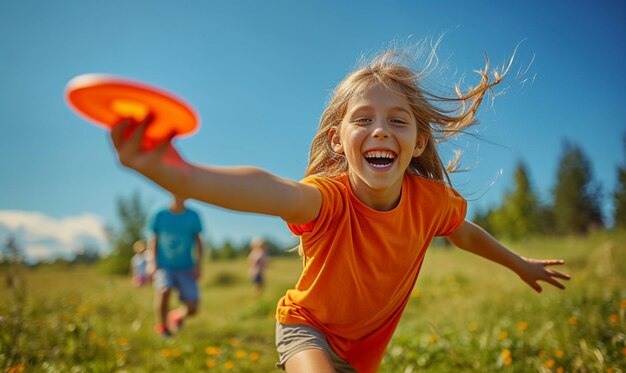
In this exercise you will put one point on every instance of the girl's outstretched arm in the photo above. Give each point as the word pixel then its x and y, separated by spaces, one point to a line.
pixel 474 239
pixel 246 189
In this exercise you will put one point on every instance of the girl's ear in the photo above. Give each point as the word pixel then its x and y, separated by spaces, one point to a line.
pixel 335 141
pixel 420 144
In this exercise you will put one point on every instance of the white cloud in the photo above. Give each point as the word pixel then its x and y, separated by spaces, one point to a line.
pixel 43 237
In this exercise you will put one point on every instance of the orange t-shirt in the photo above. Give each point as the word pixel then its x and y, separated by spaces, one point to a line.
pixel 360 265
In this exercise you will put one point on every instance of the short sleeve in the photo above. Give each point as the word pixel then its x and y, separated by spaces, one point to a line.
pixel 332 202
pixel 453 212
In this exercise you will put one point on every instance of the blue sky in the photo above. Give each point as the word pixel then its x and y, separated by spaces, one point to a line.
pixel 259 73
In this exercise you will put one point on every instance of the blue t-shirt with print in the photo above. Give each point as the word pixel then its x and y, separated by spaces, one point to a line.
pixel 176 236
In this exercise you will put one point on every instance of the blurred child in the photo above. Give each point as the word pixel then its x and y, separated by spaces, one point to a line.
pixel 257 262
pixel 176 231
pixel 139 264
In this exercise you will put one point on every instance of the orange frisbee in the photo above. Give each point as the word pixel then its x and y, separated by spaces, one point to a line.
pixel 105 100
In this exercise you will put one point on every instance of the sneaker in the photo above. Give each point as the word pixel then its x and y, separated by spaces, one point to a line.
pixel 162 330
pixel 175 320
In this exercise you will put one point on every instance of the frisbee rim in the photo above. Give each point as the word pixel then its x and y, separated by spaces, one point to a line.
pixel 90 84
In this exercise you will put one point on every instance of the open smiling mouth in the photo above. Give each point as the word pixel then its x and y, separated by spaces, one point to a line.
pixel 380 158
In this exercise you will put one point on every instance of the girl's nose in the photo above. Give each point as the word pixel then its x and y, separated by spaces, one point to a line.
pixel 379 130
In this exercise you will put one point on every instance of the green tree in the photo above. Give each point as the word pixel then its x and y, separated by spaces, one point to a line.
pixel 619 196
pixel 228 251
pixel 12 329
pixel 133 216
pixel 577 197
pixel 520 213
pixel 483 218
pixel 11 251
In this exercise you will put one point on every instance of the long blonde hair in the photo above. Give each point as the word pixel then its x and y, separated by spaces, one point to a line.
pixel 438 123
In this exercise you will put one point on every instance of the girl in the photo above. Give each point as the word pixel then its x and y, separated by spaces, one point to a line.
pixel 374 196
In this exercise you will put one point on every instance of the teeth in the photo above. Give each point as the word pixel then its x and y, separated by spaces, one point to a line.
pixel 379 154
pixel 380 158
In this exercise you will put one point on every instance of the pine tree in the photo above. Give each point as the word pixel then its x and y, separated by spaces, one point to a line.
pixel 133 216
pixel 619 196
pixel 482 218
pixel 576 196
pixel 520 213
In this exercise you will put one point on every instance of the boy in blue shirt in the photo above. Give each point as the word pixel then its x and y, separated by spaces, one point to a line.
pixel 176 231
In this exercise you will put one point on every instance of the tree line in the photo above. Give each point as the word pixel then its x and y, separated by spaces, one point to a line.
pixel 575 207
pixel 133 215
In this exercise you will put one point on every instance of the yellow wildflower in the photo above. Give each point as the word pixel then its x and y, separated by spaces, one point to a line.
pixel 17 368
pixel 622 303
pixel 522 325
pixel 211 363
pixel 122 341
pixel 508 361
pixel 473 326
pixel 229 364
pixel 506 357
pixel 240 354
pixel 212 351
pixel 558 353
pixel 614 319
pixel 166 353
pixel 234 342
pixel 503 335
pixel 549 363
pixel 572 321
pixel 254 356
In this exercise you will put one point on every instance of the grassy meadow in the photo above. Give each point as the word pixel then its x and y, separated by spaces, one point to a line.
pixel 466 314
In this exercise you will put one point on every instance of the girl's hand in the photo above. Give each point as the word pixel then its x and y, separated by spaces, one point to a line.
pixel 127 136
pixel 537 270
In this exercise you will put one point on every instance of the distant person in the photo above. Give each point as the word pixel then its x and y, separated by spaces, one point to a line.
pixel 257 262
pixel 176 231
pixel 375 194
pixel 139 264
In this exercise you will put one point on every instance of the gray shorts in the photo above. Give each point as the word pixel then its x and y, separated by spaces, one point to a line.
pixel 291 339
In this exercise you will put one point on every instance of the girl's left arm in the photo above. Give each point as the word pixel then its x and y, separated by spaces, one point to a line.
pixel 470 237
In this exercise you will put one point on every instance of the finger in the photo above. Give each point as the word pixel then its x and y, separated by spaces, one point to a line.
pixel 141 128
pixel 536 286
pixel 560 275
pixel 118 131
pixel 164 145
pixel 552 262
pixel 554 282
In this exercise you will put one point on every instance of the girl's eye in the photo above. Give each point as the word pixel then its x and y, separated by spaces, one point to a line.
pixel 362 120
pixel 399 122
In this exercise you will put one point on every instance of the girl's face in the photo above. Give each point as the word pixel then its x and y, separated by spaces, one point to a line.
pixel 378 136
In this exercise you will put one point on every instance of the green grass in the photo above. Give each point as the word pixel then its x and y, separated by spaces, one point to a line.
pixel 466 314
